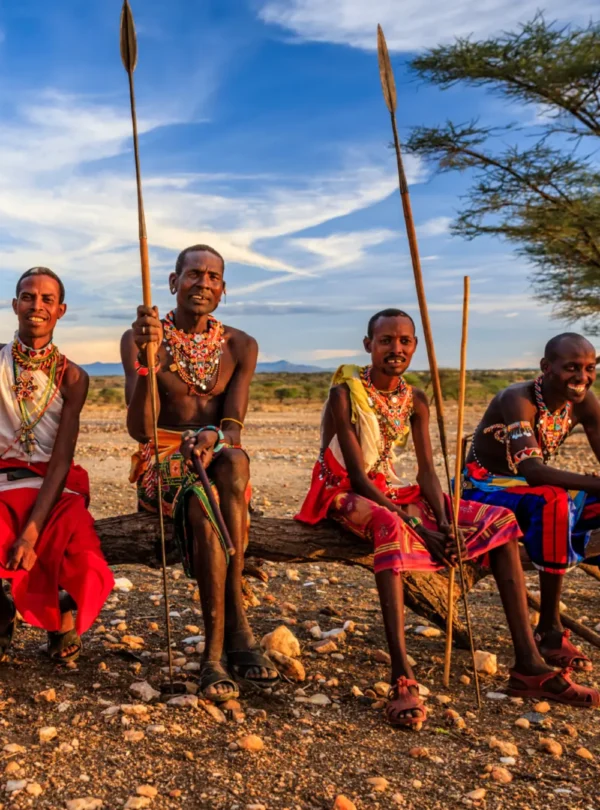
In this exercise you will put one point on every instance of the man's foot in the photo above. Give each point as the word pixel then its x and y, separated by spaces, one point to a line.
pixel 65 644
pixel 552 685
pixel 246 660
pixel 405 707
pixel 216 683
pixel 556 650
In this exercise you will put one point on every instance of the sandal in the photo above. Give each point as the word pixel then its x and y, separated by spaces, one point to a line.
pixel 401 700
pixel 59 642
pixel 6 636
pixel 212 674
pixel 573 694
pixel 565 655
pixel 241 661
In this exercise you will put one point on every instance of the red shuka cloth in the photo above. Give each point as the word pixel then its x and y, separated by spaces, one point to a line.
pixel 68 551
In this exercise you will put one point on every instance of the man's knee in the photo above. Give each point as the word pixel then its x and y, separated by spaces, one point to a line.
pixel 232 471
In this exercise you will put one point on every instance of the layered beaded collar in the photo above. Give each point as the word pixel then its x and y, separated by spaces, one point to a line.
pixel 552 428
pixel 27 360
pixel 393 410
pixel 196 356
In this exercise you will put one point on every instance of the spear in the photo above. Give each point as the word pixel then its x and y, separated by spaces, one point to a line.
pixel 388 85
pixel 129 57
pixel 462 388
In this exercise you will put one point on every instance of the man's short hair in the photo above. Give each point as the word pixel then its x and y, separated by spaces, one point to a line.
pixel 42 271
pixel 387 313
pixel 552 349
pixel 194 249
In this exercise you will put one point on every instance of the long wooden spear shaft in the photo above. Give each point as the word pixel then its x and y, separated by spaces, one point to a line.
pixel 462 389
pixel 388 85
pixel 129 57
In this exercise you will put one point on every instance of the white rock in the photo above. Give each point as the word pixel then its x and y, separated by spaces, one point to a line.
pixel 143 691
pixel 319 700
pixel 508 760
pixel 486 662
pixel 184 702
pixel 283 641
pixel 316 632
pixel 193 639
pixel 88 803
pixel 15 784
pixel 123 585
pixel 337 632
pixel 156 729
pixel 496 696
pixel 428 632
pixel 14 748
pixel 111 711
pixel 193 666
pixel 424 691
pixel 137 802
pixel 292 574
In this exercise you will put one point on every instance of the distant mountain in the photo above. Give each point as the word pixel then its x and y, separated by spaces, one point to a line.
pixel 279 367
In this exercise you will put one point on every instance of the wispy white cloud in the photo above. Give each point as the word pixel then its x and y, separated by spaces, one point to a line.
pixel 411 24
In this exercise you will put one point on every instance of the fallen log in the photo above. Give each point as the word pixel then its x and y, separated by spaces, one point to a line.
pixel 132 540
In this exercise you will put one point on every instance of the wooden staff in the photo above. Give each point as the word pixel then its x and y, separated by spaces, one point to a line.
pixel 388 85
pixel 129 57
pixel 462 388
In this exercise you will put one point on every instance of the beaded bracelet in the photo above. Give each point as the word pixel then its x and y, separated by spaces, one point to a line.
pixel 220 437
pixel 143 371
pixel 414 522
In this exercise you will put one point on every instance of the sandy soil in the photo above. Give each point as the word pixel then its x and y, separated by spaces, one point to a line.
pixel 312 753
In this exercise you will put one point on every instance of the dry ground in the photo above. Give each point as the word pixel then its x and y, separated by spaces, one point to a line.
pixel 311 753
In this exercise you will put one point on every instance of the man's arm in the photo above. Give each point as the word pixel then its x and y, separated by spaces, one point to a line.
pixel 427 479
pixel 74 391
pixel 589 416
pixel 516 407
pixel 147 328
pixel 235 405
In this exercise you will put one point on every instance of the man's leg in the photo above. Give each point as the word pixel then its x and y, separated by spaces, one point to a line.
pixel 231 474
pixel 550 630
pixel 210 569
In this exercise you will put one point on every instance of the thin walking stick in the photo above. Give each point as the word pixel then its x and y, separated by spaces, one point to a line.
pixel 219 520
pixel 462 388
pixel 129 57
pixel 388 85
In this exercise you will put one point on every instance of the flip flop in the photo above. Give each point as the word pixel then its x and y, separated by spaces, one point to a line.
pixel 58 642
pixel 565 655
pixel 241 661
pixel 400 699
pixel 212 674
pixel 572 695
pixel 6 636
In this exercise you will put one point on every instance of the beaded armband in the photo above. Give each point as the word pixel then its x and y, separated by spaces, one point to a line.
pixel 519 430
pixel 527 453
pixel 414 522
pixel 143 371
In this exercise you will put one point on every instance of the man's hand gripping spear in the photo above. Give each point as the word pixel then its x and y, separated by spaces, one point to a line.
pixel 389 92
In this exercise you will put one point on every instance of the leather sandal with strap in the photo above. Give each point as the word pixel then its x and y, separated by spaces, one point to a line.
pixel 572 695
pixel 242 662
pixel 59 642
pixel 213 673
pixel 400 699
pixel 565 655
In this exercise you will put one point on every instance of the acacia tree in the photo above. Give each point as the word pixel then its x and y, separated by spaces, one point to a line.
pixel 541 193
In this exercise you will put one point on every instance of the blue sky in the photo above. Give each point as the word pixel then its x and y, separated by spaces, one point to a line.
pixel 264 133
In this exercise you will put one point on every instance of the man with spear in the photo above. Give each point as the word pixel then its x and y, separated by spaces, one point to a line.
pixel 203 373
pixel 370 413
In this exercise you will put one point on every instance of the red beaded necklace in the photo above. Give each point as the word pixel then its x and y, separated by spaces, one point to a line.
pixel 196 355
pixel 552 428
pixel 393 410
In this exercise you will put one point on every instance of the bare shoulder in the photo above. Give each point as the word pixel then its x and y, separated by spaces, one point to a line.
pixel 420 399
pixel 240 343
pixel 517 393
pixel 75 382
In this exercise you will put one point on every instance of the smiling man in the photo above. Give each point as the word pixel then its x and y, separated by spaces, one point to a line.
pixel 204 370
pixel 369 416
pixel 509 465
pixel 47 537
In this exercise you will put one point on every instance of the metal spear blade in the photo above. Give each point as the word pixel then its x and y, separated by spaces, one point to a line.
pixel 386 73
pixel 128 38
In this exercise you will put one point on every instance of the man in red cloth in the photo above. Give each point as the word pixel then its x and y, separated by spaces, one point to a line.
pixel 369 415
pixel 47 537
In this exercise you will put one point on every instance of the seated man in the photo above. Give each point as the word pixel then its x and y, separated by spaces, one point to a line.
pixel 204 371
pixel 509 465
pixel 47 537
pixel 369 414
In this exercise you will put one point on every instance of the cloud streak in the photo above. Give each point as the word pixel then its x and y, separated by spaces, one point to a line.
pixel 413 24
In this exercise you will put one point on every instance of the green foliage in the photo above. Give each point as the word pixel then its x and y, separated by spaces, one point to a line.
pixel 543 197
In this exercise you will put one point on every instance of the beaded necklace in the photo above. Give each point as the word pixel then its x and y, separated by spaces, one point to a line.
pixel 25 362
pixel 552 428
pixel 393 409
pixel 196 356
